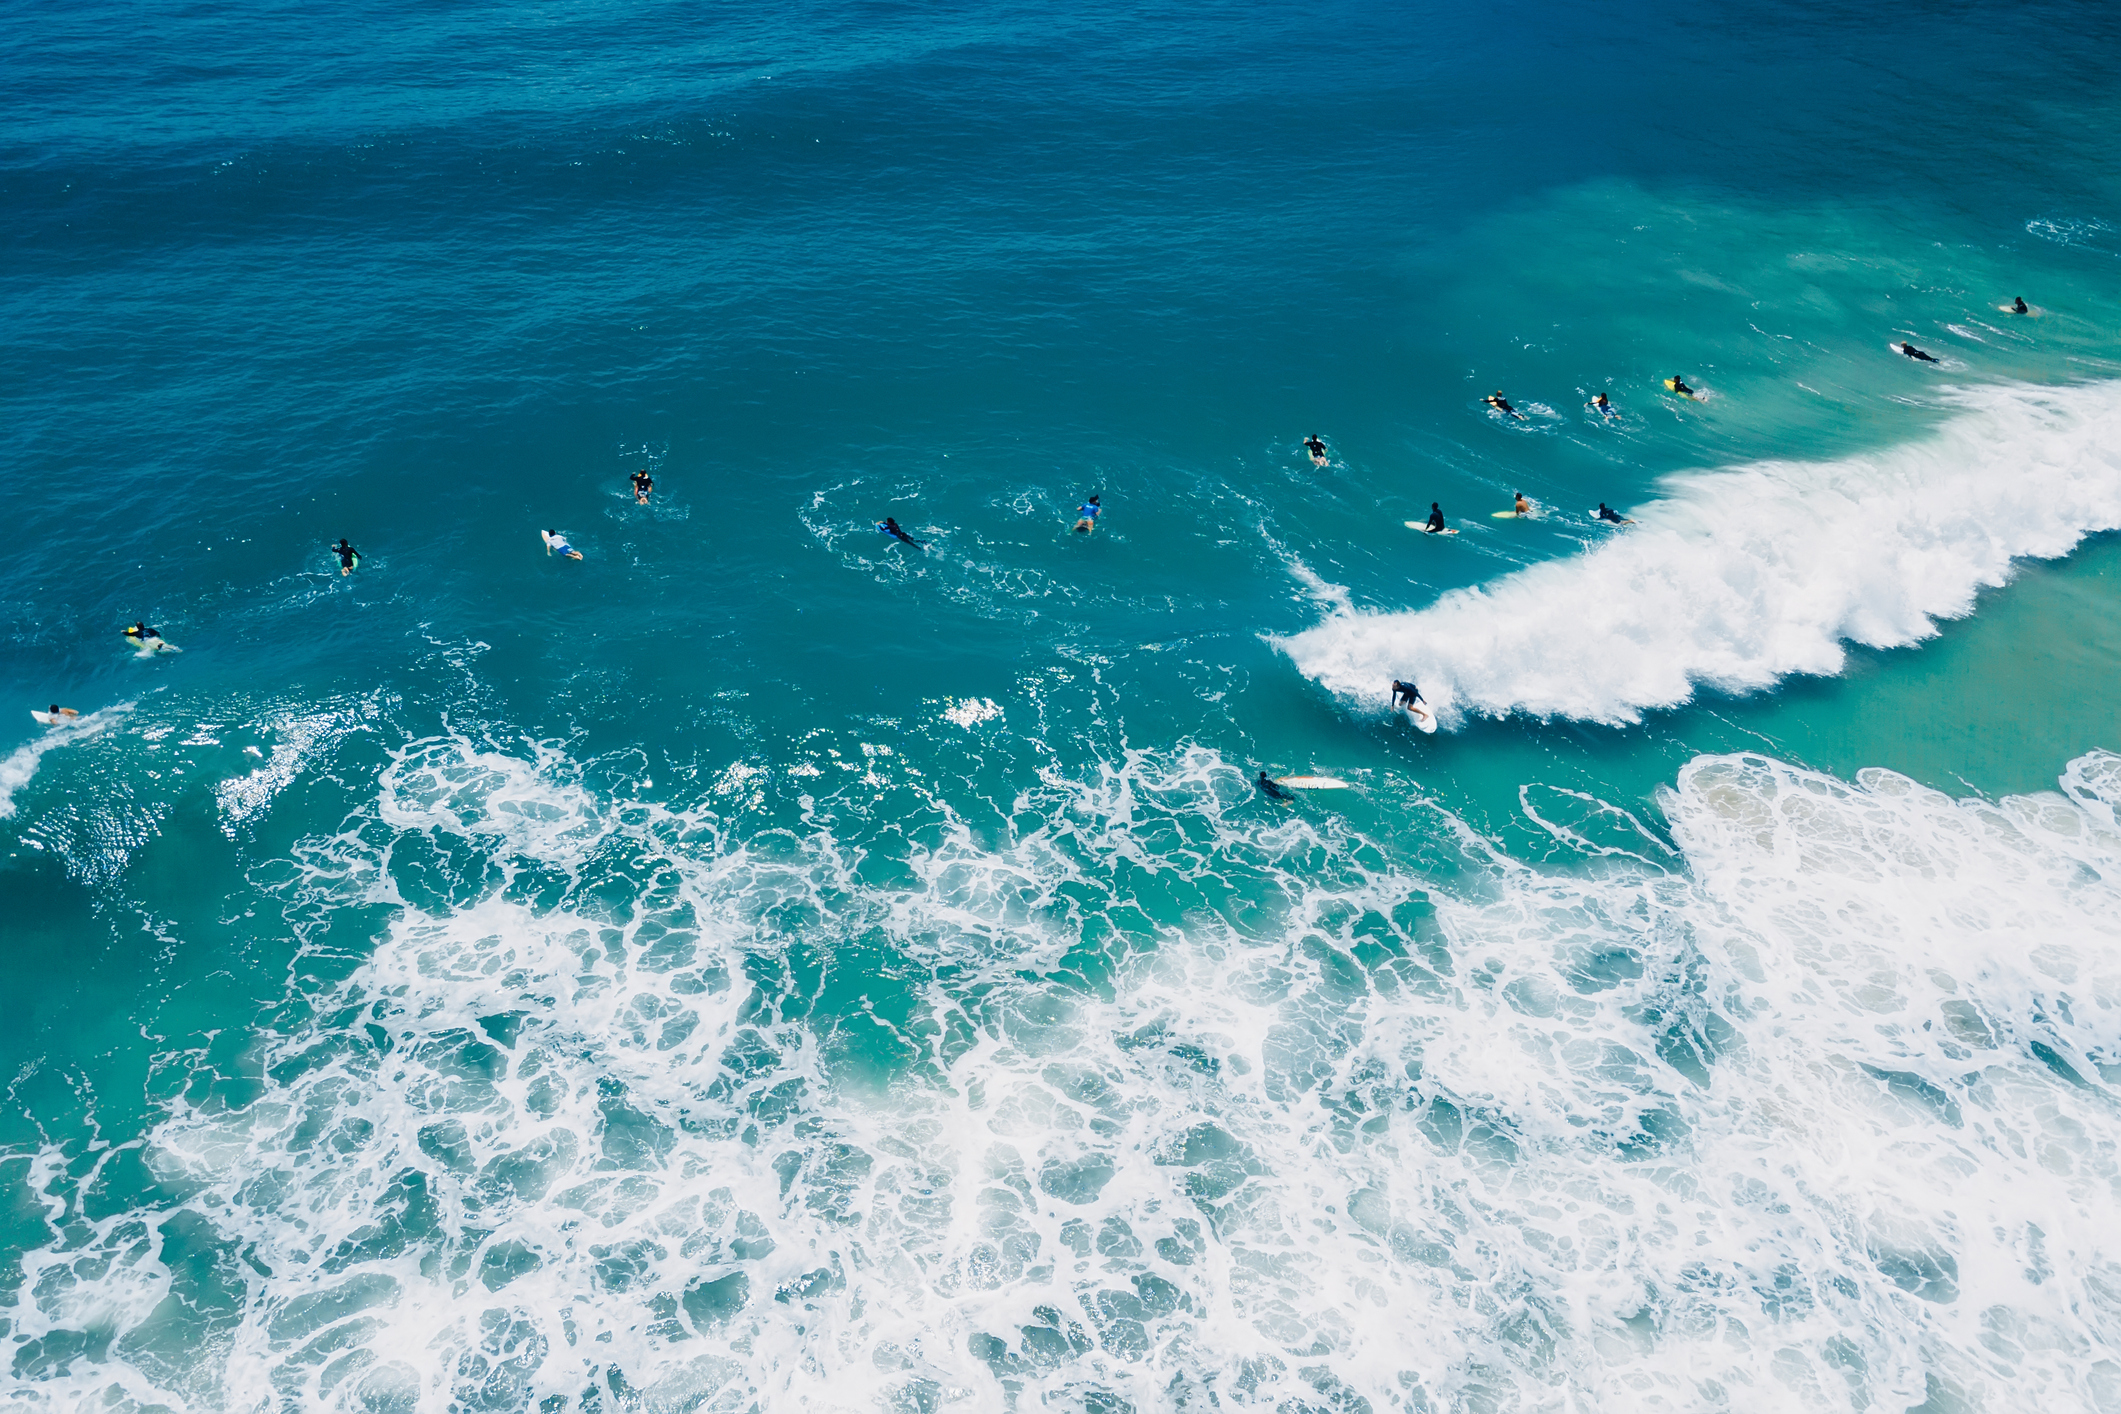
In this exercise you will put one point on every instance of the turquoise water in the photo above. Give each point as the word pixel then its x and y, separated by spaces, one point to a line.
pixel 762 965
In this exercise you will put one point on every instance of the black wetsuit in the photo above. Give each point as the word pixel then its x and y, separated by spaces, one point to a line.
pixel 1606 512
pixel 1912 352
pixel 143 633
pixel 2018 306
pixel 1407 691
pixel 1435 520
pixel 1274 791
pixel 1316 448
pixel 890 527
pixel 347 554
pixel 1502 404
pixel 643 483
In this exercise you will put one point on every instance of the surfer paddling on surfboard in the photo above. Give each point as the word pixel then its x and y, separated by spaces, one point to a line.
pixel 1914 353
pixel 348 557
pixel 1610 516
pixel 1604 407
pixel 1678 385
pixel 57 714
pixel 1500 403
pixel 146 637
pixel 890 527
pixel 643 483
pixel 1317 449
pixel 1086 515
pixel 556 543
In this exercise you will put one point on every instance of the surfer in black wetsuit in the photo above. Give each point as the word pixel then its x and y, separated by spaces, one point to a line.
pixel 1316 448
pixel 1602 405
pixel 1607 513
pixel 348 557
pixel 1502 404
pixel 2018 305
pixel 1273 790
pixel 643 483
pixel 1406 692
pixel 142 632
pixel 1679 386
pixel 1914 353
pixel 890 527
pixel 1435 518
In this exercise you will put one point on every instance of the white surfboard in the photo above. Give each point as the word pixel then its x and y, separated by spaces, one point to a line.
pixel 50 719
pixel 1423 717
pixel 1423 527
pixel 148 647
pixel 1312 782
pixel 1510 515
pixel 2032 311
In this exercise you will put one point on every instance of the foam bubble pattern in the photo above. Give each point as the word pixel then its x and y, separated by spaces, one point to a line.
pixel 1188 1103
pixel 1737 578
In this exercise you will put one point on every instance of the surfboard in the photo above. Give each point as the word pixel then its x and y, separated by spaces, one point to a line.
pixel 1312 782
pixel 50 719
pixel 1894 345
pixel 1423 527
pixel 1672 384
pixel 1317 460
pixel 1510 515
pixel 1423 718
pixel 148 646
pixel 2032 311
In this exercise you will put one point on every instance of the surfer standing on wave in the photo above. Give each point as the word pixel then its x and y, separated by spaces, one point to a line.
pixel 1407 693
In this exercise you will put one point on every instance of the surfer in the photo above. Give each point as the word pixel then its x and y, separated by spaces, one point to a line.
pixel 57 712
pixel 143 633
pixel 554 541
pixel 1607 513
pixel 1316 448
pixel 1406 692
pixel 1602 405
pixel 2018 305
pixel 1086 513
pixel 348 557
pixel 1435 525
pixel 1502 404
pixel 1678 385
pixel 1273 790
pixel 643 483
pixel 890 527
pixel 1523 507
pixel 1914 353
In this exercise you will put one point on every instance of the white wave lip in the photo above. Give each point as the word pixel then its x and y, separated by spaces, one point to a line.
pixel 1738 578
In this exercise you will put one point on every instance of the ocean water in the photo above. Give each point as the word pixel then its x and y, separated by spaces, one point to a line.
pixel 763 966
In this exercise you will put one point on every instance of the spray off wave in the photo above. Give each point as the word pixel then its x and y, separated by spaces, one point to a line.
pixel 1738 578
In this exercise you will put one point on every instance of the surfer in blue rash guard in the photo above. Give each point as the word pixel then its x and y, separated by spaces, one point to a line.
pixel 1407 693
pixel 1271 787
pixel 1087 514
pixel 1608 514
pixel 890 526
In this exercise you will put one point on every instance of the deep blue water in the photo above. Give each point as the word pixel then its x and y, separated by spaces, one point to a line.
pixel 763 965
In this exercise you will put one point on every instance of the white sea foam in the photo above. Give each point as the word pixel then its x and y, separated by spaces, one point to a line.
pixel 1816 1118
pixel 1736 578
pixel 21 763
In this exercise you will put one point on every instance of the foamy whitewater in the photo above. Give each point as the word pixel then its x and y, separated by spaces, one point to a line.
pixel 1806 1109
pixel 1734 579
